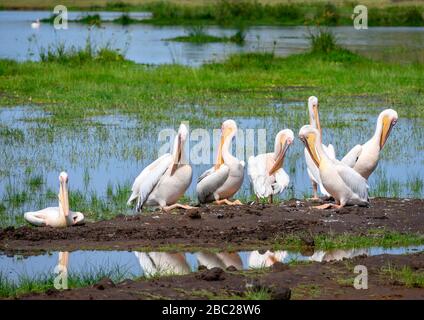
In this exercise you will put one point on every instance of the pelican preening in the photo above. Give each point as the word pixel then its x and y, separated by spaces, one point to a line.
pixel 265 170
pixel 163 182
pixel 364 158
pixel 57 217
pixel 342 182
pixel 225 178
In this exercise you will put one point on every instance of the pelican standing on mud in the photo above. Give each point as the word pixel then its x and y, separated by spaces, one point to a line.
pixel 265 170
pixel 312 169
pixel 342 182
pixel 225 178
pixel 57 217
pixel 163 182
pixel 364 158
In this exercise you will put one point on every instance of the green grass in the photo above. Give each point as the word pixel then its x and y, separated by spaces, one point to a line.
pixel 233 87
pixel 44 282
pixel 405 275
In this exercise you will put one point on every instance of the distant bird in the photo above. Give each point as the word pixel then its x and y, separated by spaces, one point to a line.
pixel 342 182
pixel 364 158
pixel 312 169
pixel 265 170
pixel 36 24
pixel 164 182
pixel 225 178
pixel 57 217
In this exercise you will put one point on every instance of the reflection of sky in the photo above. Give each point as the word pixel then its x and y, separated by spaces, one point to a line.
pixel 147 44
pixel 83 262
pixel 112 150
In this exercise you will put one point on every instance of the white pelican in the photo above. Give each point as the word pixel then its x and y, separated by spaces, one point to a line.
pixel 223 180
pixel 337 254
pixel 57 217
pixel 364 158
pixel 165 180
pixel 221 260
pixel 312 169
pixel 162 263
pixel 265 170
pixel 36 24
pixel 266 259
pixel 343 183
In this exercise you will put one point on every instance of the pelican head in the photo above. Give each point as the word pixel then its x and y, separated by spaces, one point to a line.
pixel 311 138
pixel 387 119
pixel 283 140
pixel 228 130
pixel 313 113
pixel 63 193
pixel 180 140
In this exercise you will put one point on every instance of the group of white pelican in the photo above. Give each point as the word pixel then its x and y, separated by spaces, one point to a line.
pixel 164 181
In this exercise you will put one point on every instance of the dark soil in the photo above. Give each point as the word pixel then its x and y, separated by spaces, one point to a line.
pixel 220 227
pixel 328 280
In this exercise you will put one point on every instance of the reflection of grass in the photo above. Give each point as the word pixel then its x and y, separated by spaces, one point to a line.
pixel 43 282
pixel 405 275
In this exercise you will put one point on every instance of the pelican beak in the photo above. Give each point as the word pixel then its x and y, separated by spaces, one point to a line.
pixel 220 160
pixel 285 143
pixel 63 196
pixel 316 115
pixel 385 132
pixel 309 142
pixel 177 156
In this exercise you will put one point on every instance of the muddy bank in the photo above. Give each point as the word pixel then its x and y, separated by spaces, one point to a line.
pixel 221 227
pixel 330 280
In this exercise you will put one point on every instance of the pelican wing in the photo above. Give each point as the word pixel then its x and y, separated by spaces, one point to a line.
pixel 282 180
pixel 353 180
pixel 149 177
pixel 211 182
pixel 256 169
pixel 329 150
pixel 352 156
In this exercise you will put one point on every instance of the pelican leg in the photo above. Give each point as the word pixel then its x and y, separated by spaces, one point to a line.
pixel 228 202
pixel 314 191
pixel 177 205
pixel 270 199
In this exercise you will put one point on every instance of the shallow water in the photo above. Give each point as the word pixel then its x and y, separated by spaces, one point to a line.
pixel 137 264
pixel 106 153
pixel 144 43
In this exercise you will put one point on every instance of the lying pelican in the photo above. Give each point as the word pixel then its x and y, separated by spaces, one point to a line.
pixel 265 170
pixel 364 158
pixel 343 183
pixel 165 180
pixel 312 169
pixel 223 180
pixel 57 217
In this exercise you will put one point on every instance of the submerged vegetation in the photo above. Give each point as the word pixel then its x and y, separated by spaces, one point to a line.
pixel 197 34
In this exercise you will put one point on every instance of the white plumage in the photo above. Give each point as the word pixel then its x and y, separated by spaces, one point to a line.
pixel 267 176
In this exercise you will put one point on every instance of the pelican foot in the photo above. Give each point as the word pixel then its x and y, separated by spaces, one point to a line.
pixel 228 202
pixel 323 206
pixel 177 205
